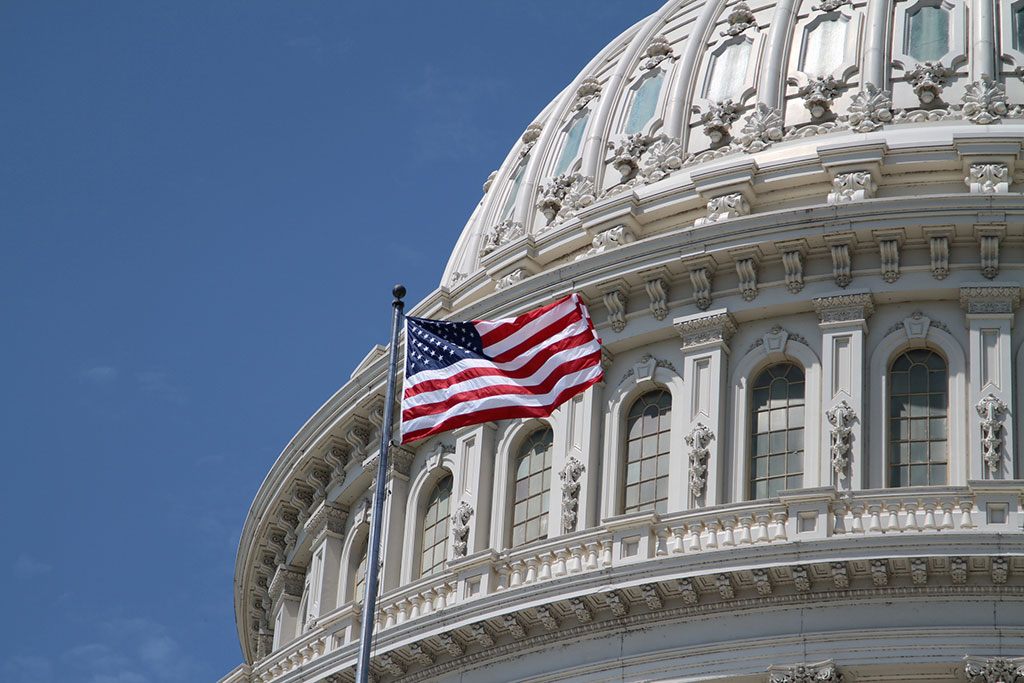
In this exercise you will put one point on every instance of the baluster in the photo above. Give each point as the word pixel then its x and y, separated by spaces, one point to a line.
pixel 911 509
pixel 427 598
pixel 531 571
pixel 929 516
pixel 839 515
pixel 678 544
pixel 875 520
pixel 606 553
pixel 780 525
pixel 592 549
pixel 762 528
pixel 693 530
pixel 947 516
pixel 504 575
pixel 744 534
pixel 713 527
pixel 893 523
pixel 965 514
pixel 662 548
pixel 575 560
pixel 517 574
pixel 857 511
pixel 417 602
pixel 559 567
pixel 390 616
pixel 545 566
pixel 730 535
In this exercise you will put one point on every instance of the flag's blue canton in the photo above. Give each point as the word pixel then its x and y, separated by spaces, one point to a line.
pixel 436 344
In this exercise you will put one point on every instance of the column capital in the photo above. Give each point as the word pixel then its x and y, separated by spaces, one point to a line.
pixel 286 582
pixel 986 299
pixel 327 518
pixel 843 309
pixel 713 328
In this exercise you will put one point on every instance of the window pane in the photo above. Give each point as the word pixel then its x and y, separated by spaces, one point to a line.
pixel 644 102
pixel 824 47
pixel 572 145
pixel 510 203
pixel 728 71
pixel 777 454
pixel 928 34
pixel 646 469
pixel 917 441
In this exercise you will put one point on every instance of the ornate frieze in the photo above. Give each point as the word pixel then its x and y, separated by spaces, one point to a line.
pixel 481 635
pixel 419 655
pixel 995 670
pixel 608 239
pixel 844 308
pixel 562 196
pixel 580 610
pixel 740 19
pixel 958 570
pixel 451 645
pixel 698 440
pixel 991 410
pixel 514 626
pixel 852 186
pixel 707 329
pixel 717 119
pixel 762 128
pixel 820 672
pixel 651 596
pixel 391 664
pixel 1000 570
pixel 762 581
pixel 919 571
pixel 928 80
pixel 460 529
pixel 880 572
pixel 501 234
pixel 723 208
pixel 286 582
pixel 988 178
pixel 801 581
pixel 570 476
pixel 588 89
pixel 841 417
pixel 616 604
pixel 547 618
pixel 725 588
pixel 517 275
pixel 658 51
pixel 989 299
pixel 985 101
pixel 870 109
pixel 840 576
pixel 688 592
pixel 327 518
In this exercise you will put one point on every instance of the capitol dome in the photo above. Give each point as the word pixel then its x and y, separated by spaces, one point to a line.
pixel 799 228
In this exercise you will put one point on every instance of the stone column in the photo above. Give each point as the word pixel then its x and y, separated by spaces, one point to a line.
pixel 990 390
pixel 702 418
pixel 474 456
pixel 396 500
pixel 843 323
pixel 326 528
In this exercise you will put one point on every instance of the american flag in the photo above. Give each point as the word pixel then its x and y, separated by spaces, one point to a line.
pixel 464 373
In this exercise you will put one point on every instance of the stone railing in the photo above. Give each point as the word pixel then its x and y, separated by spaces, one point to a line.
pixel 650 543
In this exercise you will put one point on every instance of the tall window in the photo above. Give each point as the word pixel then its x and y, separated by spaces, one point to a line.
pixel 647 447
pixel 918 403
pixel 572 145
pixel 434 547
pixel 360 583
pixel 728 71
pixel 532 487
pixel 928 33
pixel 824 47
pixel 777 430
pixel 644 102
pixel 1018 28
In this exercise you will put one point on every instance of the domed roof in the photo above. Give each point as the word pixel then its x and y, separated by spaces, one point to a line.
pixel 700 86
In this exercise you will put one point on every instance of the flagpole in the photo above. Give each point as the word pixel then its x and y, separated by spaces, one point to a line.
pixel 373 548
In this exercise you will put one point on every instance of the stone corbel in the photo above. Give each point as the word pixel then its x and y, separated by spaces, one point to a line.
pixel 724 207
pixel 938 248
pixel 729 191
pixel 855 171
pixel 989 237
pixel 841 248
pixel 819 672
pixel 614 295
pixel 889 243
pixel 357 435
pixel 656 285
pixel 988 178
pixel 793 255
pixel 609 239
pixel 702 273
pixel 747 261
pixel 844 309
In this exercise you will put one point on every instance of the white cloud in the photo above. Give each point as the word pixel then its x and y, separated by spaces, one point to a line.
pixel 27 567
pixel 98 374
pixel 27 669
pixel 157 383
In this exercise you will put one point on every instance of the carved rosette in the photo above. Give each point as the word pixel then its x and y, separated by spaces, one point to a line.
pixel 460 529
pixel 985 101
pixel 870 108
pixel 698 439
pixel 661 159
pixel 821 672
pixel 841 417
pixel 988 178
pixel 717 120
pixel 762 128
pixel 991 410
pixel 570 476
pixel 500 235
pixel 928 80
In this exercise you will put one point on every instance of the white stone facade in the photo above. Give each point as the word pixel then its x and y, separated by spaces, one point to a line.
pixel 842 209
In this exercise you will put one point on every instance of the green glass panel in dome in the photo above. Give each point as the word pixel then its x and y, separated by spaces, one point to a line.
pixel 644 103
pixel 929 33
pixel 1018 28
pixel 728 72
pixel 824 48
pixel 510 203
pixel 572 145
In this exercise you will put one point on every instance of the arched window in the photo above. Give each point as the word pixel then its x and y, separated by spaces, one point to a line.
pixel 777 430
pixel 532 487
pixel 434 545
pixel 359 585
pixel 918 400
pixel 647 451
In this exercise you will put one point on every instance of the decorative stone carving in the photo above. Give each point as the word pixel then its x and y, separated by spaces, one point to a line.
pixel 419 655
pixel 725 587
pixel 762 581
pixel 740 19
pixel 746 271
pixel 793 263
pixel 514 626
pixel 286 582
pixel 651 596
pixel 762 128
pixel 689 592
pixel 830 5
pixel 661 159
pixel 608 239
pixel 928 80
pixel 547 618
pixel 580 610
pixel 889 252
pixel 701 280
pixel 958 570
pixel 820 672
pixel 988 179
pixel 657 292
pixel 564 195
pixel 801 581
pixel 708 329
pixel 991 411
pixel 717 120
pixel 841 265
pixel 989 299
pixel 840 416
pixel 501 234
pixel 840 577
pixel 481 635
pixel 615 302
pixel 938 247
pixel 589 89
pixel 451 645
pixel 853 186
pixel 985 101
pixel 616 604
pixel 391 664
pixel 328 517
pixel 919 571
pixel 627 153
pixel 460 529
pixel 698 439
pixel 723 208
pixel 880 572
pixel 658 51
pixel 870 109
pixel 1000 570
pixel 996 670
pixel 570 476
pixel 988 243
pixel 490 181
pixel 530 137
pixel 517 275
pixel 819 94
pixel 337 457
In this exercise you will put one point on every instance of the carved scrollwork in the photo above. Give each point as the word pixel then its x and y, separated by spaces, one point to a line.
pixel 762 128
pixel 740 19
pixel 723 208
pixel 501 234
pixel 985 101
pixel 658 51
pixel 627 154
pixel 698 440
pixel 852 186
pixel 870 108
pixel 928 80
pixel 589 89
pixel 661 159
pixel 996 670
pixel 717 119
pixel 564 195
pixel 821 672
pixel 512 278
pixel 608 239
pixel 530 137
pixel 991 411
pixel 988 179
pixel 841 417
pixel 819 94
pixel 570 476
pixel 460 528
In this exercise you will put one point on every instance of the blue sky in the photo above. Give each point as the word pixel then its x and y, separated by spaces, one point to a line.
pixel 203 207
